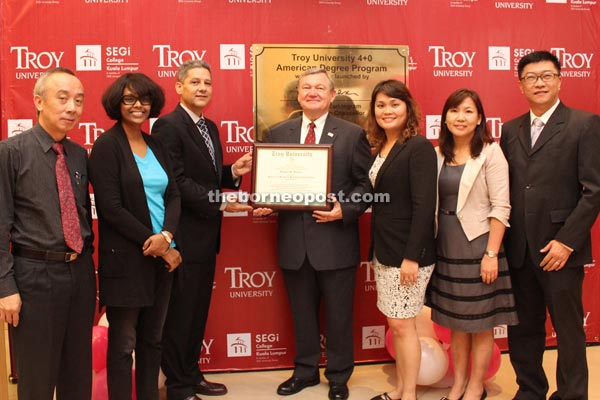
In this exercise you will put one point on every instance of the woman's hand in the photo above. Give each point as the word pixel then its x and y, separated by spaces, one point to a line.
pixel 172 258
pixel 155 246
pixel 489 269
pixel 409 272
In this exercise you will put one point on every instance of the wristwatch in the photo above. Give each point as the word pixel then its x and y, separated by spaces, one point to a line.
pixel 491 253
pixel 166 236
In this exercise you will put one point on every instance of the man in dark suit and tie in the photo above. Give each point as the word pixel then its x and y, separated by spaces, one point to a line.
pixel 318 251
pixel 197 159
pixel 552 152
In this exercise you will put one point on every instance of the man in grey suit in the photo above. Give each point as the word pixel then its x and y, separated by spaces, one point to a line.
pixel 197 159
pixel 318 251
pixel 552 152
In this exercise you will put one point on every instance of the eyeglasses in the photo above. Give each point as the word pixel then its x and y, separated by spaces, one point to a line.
pixel 130 100
pixel 546 77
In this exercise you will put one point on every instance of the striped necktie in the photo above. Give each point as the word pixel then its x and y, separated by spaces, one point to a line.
pixel 207 140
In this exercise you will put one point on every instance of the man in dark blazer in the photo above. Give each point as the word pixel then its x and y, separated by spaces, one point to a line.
pixel 318 251
pixel 555 198
pixel 197 158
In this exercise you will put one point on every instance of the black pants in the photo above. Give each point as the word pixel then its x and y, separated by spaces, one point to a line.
pixel 184 328
pixel 139 329
pixel 561 293
pixel 53 347
pixel 306 288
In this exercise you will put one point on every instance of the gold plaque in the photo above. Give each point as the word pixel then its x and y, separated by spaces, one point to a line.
pixel 355 69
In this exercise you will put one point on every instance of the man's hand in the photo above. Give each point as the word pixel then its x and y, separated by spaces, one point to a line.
pixel 243 165
pixel 262 212
pixel 557 256
pixel 234 206
pixel 10 306
pixel 328 216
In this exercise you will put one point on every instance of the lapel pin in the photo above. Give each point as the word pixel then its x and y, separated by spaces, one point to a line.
pixel 329 134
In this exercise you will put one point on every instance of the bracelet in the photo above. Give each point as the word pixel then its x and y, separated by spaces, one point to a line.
pixel 166 236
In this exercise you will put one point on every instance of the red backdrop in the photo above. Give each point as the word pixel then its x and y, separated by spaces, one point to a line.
pixel 453 43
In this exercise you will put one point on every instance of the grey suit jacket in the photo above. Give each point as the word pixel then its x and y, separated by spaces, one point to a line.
pixel 331 245
pixel 554 186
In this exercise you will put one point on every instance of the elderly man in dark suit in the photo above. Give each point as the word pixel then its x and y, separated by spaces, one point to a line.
pixel 197 158
pixel 552 152
pixel 318 252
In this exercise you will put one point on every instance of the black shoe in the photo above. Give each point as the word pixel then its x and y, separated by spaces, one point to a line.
pixel 193 397
pixel 383 396
pixel 294 385
pixel 207 388
pixel 554 396
pixel 338 391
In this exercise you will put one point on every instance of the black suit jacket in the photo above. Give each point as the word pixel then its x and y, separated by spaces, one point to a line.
pixel 554 187
pixel 331 245
pixel 198 182
pixel 127 277
pixel 404 226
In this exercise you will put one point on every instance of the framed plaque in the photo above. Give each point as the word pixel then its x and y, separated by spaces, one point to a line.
pixel 291 176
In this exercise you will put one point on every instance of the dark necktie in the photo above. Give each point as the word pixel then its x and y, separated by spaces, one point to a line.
pixel 209 144
pixel 310 136
pixel 68 210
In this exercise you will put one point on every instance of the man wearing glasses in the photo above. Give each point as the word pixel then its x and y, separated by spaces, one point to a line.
pixel 552 152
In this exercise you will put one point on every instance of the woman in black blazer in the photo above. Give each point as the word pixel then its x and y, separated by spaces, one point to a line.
pixel 138 208
pixel 402 225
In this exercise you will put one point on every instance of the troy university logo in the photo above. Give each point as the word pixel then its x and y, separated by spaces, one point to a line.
pixel 27 59
pixel 169 58
pixel 448 59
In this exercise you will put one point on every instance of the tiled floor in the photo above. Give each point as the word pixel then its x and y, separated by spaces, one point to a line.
pixel 370 380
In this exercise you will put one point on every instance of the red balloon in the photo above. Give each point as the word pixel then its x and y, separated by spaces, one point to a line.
pixel 494 367
pixel 442 333
pixel 389 343
pixel 494 362
pixel 99 347
pixel 133 394
pixel 99 386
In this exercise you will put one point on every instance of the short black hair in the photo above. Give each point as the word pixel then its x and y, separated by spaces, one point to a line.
pixel 535 57
pixel 141 86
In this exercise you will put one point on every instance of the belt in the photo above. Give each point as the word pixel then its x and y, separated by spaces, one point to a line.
pixel 447 212
pixel 44 255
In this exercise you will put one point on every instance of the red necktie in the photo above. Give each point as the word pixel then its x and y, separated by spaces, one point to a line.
pixel 68 210
pixel 310 136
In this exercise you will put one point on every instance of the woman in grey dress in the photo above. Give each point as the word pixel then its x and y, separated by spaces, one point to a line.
pixel 470 290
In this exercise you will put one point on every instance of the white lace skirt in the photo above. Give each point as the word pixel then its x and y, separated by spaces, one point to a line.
pixel 399 301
